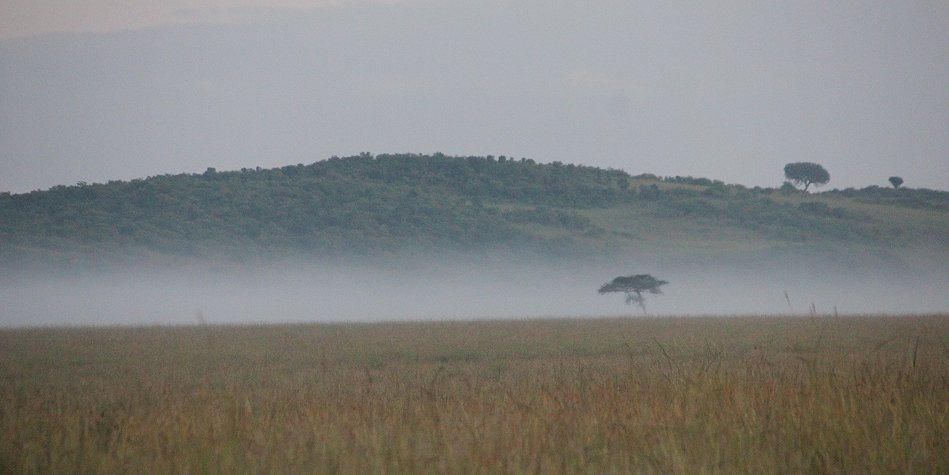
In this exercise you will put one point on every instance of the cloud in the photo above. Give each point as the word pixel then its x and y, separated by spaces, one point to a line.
pixel 596 79
pixel 22 18
pixel 621 94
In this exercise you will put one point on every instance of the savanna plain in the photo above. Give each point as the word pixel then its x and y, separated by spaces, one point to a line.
pixel 817 394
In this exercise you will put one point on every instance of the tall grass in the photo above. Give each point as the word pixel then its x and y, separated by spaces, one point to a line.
pixel 821 394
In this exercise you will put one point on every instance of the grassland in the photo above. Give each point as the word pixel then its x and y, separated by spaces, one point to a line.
pixel 689 395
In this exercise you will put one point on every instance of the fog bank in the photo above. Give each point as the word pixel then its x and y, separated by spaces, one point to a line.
pixel 320 292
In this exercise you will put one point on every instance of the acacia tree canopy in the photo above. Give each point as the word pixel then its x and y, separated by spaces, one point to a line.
pixel 896 181
pixel 634 286
pixel 806 173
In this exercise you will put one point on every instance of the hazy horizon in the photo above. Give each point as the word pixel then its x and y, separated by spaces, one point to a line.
pixel 95 91
pixel 475 287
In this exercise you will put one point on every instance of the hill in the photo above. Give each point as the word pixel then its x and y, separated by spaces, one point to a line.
pixel 404 204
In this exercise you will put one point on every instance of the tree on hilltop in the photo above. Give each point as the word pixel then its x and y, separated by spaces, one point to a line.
pixel 806 174
pixel 634 286
pixel 896 182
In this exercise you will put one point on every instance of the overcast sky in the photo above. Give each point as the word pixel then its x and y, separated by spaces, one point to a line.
pixel 93 90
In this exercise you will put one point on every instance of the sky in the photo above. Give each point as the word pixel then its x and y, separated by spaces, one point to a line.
pixel 96 90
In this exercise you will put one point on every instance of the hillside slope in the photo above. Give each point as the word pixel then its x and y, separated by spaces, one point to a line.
pixel 398 204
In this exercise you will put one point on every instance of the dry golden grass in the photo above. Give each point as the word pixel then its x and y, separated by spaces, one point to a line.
pixel 686 395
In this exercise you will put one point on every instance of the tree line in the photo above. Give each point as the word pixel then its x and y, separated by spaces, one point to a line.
pixel 390 202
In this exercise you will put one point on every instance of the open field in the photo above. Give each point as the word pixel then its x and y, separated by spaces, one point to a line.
pixel 865 394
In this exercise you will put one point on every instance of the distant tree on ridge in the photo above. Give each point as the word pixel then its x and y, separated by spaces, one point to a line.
pixel 806 174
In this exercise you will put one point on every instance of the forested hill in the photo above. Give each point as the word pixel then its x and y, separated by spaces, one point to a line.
pixel 414 203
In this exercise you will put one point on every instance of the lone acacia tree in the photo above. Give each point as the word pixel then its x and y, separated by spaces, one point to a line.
pixel 806 173
pixel 896 181
pixel 634 286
